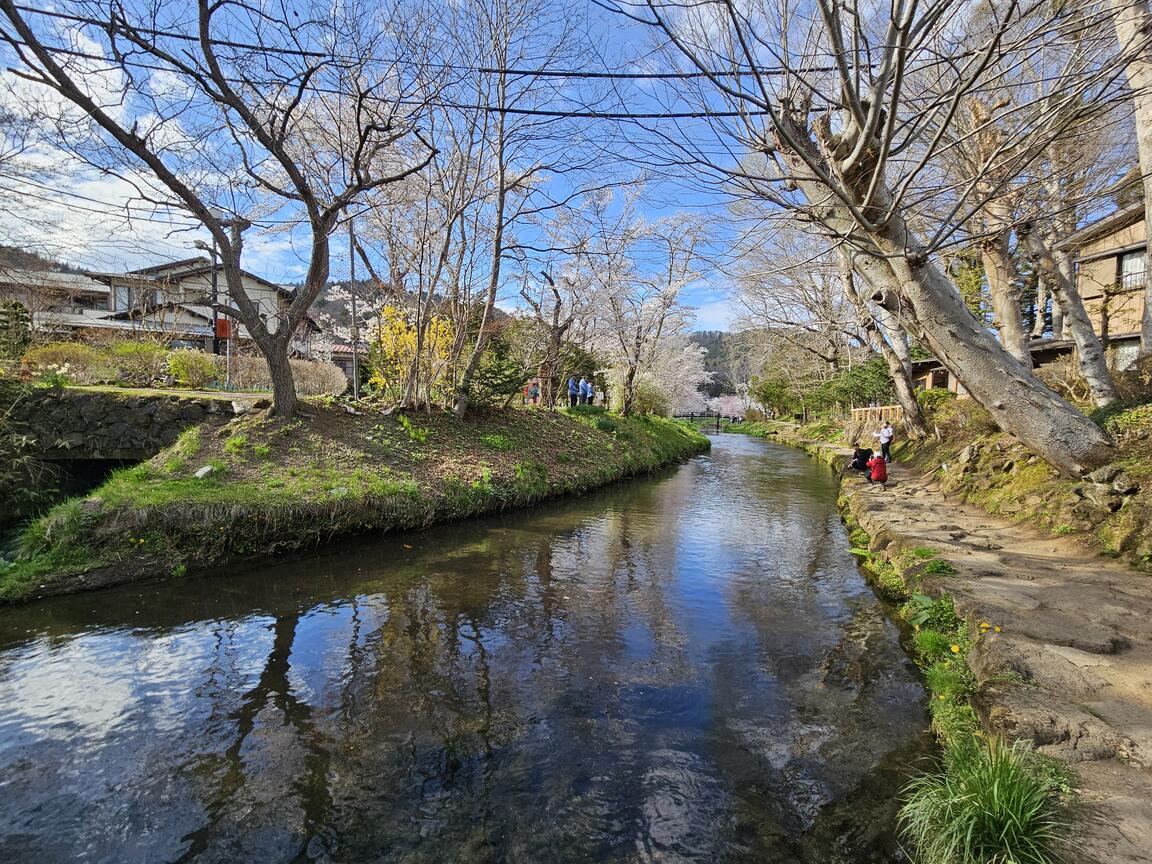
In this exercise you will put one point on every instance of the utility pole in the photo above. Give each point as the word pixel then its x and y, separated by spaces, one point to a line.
pixel 355 317
pixel 215 302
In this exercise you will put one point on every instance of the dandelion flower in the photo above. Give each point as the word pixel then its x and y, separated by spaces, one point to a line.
pixel 955 649
pixel 997 628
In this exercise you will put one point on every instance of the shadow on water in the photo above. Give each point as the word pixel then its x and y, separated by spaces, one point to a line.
pixel 687 668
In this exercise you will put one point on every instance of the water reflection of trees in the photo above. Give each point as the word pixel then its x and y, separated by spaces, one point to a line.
pixel 543 689
pixel 454 688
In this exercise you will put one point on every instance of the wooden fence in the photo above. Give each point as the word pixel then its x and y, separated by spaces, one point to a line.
pixel 878 414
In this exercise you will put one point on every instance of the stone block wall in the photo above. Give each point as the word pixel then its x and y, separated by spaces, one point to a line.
pixel 84 424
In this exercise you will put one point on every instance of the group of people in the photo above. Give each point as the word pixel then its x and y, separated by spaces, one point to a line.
pixel 874 466
pixel 581 392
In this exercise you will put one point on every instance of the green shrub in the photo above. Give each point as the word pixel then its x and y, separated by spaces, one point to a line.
pixel 85 364
pixel 986 805
pixel 193 369
pixel 932 398
pixel 139 363
pixel 15 330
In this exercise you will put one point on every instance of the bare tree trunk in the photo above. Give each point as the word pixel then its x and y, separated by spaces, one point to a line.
pixel 891 341
pixel 284 400
pixel 463 392
pixel 1019 403
pixel 629 390
pixel 1089 350
pixel 1004 289
pixel 1041 305
pixel 1133 20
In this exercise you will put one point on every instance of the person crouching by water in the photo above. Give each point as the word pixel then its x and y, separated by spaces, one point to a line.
pixel 860 457
pixel 879 471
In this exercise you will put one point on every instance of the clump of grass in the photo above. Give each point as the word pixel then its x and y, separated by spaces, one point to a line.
pixel 236 445
pixel 497 442
pixel 262 452
pixel 924 552
pixel 952 720
pixel 948 680
pixel 415 433
pixel 938 567
pixel 987 804
pixel 933 645
pixel 188 444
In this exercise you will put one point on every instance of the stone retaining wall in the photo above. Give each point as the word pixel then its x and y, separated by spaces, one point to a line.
pixel 83 424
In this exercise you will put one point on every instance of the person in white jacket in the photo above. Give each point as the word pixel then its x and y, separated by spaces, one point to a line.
pixel 886 434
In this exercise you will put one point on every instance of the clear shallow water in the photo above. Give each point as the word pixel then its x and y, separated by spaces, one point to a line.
pixel 681 669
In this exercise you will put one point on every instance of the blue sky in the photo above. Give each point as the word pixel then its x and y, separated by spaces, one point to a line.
pixel 95 220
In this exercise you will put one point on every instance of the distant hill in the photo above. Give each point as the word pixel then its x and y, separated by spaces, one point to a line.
pixel 16 258
pixel 718 360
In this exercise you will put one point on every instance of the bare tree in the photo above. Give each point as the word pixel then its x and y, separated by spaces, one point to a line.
pixel 528 141
pixel 555 307
pixel 643 306
pixel 226 110
pixel 821 97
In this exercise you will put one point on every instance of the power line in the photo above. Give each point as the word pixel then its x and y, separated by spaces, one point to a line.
pixel 578 74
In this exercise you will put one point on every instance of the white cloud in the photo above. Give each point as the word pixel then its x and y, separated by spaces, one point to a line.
pixel 716 315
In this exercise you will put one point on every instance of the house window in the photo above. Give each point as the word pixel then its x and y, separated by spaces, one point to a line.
pixel 1132 269
pixel 121 298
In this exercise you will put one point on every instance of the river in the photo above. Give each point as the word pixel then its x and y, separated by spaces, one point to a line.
pixel 686 668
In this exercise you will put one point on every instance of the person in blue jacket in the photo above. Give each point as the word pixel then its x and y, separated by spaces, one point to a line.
pixel 573 391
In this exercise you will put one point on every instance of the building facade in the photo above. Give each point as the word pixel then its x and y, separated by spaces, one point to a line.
pixel 173 301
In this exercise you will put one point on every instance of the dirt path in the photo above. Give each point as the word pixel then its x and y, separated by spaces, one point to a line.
pixel 1072 667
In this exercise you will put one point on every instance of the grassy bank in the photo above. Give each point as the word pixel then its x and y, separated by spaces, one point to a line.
pixel 273 486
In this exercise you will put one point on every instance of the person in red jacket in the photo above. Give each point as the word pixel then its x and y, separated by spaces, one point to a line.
pixel 879 470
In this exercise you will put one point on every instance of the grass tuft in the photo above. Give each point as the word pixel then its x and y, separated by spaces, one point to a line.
pixel 988 805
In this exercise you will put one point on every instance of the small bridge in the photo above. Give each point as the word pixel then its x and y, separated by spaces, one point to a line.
pixel 706 418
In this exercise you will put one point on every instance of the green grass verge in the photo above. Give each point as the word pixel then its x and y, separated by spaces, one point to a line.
pixel 279 486
pixel 987 800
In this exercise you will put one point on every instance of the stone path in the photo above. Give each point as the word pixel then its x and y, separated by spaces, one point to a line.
pixel 1071 670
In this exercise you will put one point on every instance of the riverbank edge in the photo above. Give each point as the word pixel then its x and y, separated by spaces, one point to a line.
pixel 990 703
pixel 99 541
